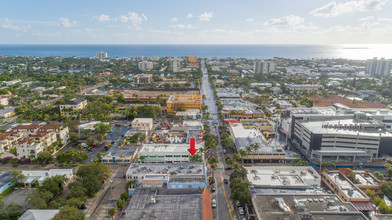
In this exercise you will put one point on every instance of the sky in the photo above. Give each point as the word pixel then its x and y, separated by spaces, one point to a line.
pixel 195 22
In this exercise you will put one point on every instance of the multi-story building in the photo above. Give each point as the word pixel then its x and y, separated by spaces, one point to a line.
pixel 142 79
pixel 3 100
pixel 178 175
pixel 70 107
pixel 145 65
pixel 175 65
pixel 244 138
pixel 264 66
pixel 182 103
pixel 303 88
pixel 27 147
pixel 102 55
pixel 377 67
pixel 144 124
pixel 340 138
pixel 238 112
pixel 33 139
pixel 164 153
pixel 191 59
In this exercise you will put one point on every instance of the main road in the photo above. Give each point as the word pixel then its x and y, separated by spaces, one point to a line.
pixel 222 194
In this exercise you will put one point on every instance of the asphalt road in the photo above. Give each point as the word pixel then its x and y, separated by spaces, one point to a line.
pixel 224 209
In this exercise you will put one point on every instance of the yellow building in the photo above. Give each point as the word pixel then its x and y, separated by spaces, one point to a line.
pixel 191 59
pixel 182 103
pixel 7 113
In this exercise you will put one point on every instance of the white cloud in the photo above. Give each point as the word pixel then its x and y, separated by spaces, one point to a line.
pixel 174 19
pixel 102 17
pixel 132 17
pixel 14 27
pixel 290 20
pixel 65 22
pixel 249 20
pixel 206 16
pixel 182 26
pixel 366 18
pixel 190 15
pixel 334 9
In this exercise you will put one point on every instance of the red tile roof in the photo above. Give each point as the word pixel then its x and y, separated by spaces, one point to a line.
pixel 207 208
pixel 364 206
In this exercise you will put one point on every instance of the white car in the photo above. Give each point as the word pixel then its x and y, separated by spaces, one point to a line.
pixel 213 203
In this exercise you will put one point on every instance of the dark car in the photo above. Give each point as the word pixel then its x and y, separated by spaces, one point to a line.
pixel 228 168
pixel 242 217
pixel 238 203
pixel 82 206
pixel 213 188
pixel 226 181
pixel 90 150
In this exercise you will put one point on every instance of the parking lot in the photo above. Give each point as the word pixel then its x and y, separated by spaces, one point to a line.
pixel 17 196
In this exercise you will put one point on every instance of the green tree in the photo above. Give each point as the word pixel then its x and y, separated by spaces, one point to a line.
pixel 378 175
pixel 13 208
pixel 73 137
pixel 44 158
pixel 17 177
pixel 120 204
pixel 386 188
pixel 111 212
pixel 124 196
pixel 102 128
pixel 71 156
pixel 70 213
pixel 90 141
pixel 370 193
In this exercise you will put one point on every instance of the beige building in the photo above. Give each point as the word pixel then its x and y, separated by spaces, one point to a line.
pixel 191 59
pixel 142 79
pixel 145 124
pixel 69 107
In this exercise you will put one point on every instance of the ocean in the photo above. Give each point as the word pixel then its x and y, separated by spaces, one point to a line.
pixel 360 52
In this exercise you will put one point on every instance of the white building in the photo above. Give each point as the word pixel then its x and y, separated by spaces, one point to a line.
pixel 102 55
pixel 27 147
pixel 40 175
pixel 3 100
pixel 263 66
pixel 175 65
pixel 178 175
pixel 145 66
pixel 145 124
pixel 164 153
pixel 377 67
pixel 299 177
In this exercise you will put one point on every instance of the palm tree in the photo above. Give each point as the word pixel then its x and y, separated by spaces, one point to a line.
pixel 236 166
pixel 141 158
pixel 236 156
pixel 243 153
pixel 112 211
pixel 249 149
pixel 256 146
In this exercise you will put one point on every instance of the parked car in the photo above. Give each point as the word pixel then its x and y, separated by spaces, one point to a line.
pixel 238 203
pixel 228 168
pixel 213 203
pixel 242 217
pixel 213 188
pixel 241 210
pixel 90 150
pixel 226 181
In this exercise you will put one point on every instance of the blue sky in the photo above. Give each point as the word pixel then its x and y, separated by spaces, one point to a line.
pixel 195 22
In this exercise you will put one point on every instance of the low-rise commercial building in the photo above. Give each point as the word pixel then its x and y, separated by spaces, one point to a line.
pixel 170 204
pixel 178 175
pixel 302 88
pixel 145 124
pixel 164 153
pixel 304 206
pixel 7 113
pixel 40 175
pixel 290 177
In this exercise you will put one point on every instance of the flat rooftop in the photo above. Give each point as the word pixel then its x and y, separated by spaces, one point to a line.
pixel 283 176
pixel 322 127
pixel 173 169
pixel 184 204
pixel 157 148
pixel 366 179
pixel 294 207
pixel 5 178
pixel 345 186
pixel 238 131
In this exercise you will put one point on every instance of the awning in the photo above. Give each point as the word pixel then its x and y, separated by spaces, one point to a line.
pixel 364 206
